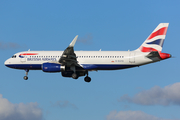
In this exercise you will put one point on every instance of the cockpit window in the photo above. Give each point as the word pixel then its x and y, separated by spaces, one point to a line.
pixel 14 56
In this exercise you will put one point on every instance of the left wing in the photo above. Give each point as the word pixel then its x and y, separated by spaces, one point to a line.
pixel 68 57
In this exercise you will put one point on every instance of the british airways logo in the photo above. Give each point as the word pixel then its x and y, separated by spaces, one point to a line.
pixel 41 59
pixel 35 59
pixel 23 54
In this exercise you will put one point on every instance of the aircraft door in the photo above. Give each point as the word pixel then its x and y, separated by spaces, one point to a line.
pixel 132 57
pixel 23 59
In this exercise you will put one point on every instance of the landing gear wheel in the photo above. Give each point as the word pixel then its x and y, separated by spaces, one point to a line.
pixel 25 77
pixel 87 79
pixel 75 76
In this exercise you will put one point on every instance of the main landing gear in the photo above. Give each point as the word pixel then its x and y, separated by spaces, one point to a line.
pixel 26 77
pixel 87 78
pixel 76 76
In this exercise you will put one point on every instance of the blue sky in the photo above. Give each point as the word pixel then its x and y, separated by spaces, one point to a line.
pixel 106 25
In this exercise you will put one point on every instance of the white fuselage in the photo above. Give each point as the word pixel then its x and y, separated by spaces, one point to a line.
pixel 77 63
pixel 103 60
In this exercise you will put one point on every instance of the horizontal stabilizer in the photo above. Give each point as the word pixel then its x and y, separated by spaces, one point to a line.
pixel 153 54
pixel 160 55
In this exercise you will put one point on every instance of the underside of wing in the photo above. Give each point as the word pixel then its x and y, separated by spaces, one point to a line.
pixel 68 57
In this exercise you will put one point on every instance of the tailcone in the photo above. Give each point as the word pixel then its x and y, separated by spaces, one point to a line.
pixel 165 55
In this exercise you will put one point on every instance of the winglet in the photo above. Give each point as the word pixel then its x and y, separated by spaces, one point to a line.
pixel 73 42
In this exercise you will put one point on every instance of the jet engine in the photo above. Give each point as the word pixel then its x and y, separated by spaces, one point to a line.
pixel 52 67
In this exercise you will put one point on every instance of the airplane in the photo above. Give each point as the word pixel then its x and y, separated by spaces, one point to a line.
pixel 78 63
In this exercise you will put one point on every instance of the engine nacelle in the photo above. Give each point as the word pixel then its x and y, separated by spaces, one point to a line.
pixel 52 67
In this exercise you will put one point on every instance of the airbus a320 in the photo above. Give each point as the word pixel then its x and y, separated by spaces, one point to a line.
pixel 75 64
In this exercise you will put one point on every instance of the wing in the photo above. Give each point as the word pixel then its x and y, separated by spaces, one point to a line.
pixel 68 57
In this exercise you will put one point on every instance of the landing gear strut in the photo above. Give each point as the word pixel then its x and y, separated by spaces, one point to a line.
pixel 87 78
pixel 74 75
pixel 26 77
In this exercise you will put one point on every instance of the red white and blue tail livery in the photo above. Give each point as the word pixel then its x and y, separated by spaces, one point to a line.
pixel 78 63
pixel 156 39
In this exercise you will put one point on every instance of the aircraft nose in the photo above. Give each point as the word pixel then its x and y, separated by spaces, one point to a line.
pixel 7 62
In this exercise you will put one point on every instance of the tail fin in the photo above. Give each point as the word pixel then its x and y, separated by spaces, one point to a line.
pixel 155 40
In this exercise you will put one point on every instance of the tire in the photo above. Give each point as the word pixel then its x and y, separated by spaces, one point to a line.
pixel 75 76
pixel 87 79
pixel 25 77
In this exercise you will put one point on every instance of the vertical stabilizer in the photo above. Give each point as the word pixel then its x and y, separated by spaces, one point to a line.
pixel 155 40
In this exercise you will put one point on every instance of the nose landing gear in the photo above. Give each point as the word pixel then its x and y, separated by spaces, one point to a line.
pixel 26 77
